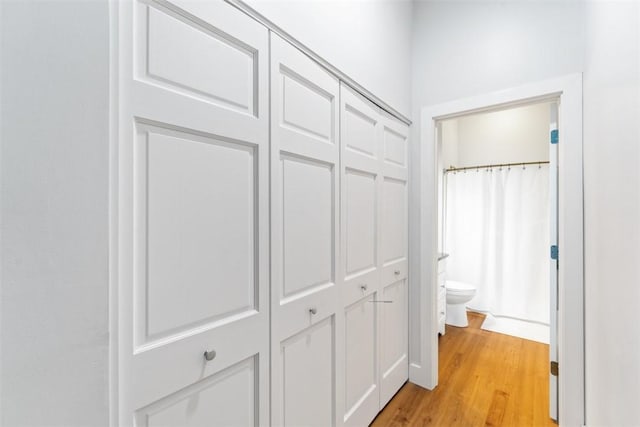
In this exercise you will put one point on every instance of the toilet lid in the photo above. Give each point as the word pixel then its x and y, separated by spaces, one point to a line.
pixel 459 286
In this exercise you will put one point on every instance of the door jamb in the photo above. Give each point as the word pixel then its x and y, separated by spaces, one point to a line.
pixel 424 366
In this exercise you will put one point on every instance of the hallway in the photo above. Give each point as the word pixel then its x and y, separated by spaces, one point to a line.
pixel 486 378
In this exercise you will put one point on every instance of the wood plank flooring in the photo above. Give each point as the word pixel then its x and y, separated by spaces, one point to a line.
pixel 485 379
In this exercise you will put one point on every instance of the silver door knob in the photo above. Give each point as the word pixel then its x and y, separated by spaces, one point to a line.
pixel 313 310
pixel 363 287
pixel 397 272
pixel 209 355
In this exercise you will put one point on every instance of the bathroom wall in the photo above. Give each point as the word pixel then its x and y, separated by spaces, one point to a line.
pixel 519 134
pixel 448 147
pixel 509 136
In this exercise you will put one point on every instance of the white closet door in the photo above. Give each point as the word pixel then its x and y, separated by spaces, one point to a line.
pixel 394 360
pixel 360 133
pixel 304 230
pixel 193 215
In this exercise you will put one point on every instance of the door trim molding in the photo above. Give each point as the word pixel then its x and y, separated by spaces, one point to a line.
pixel 424 364
pixel 114 139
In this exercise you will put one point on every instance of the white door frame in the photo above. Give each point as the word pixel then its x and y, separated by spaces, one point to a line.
pixel 424 363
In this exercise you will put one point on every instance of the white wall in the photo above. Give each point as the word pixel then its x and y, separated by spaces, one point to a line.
pixel 612 212
pixel 369 40
pixel 54 210
pixel 465 48
pixel 519 134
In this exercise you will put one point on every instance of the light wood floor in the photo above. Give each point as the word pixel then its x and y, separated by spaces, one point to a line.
pixel 485 378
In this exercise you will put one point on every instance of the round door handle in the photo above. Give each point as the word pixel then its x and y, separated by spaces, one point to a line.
pixel 397 272
pixel 209 355
pixel 363 287
pixel 313 310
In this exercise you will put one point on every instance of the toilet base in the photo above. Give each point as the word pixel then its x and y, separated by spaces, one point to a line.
pixel 457 315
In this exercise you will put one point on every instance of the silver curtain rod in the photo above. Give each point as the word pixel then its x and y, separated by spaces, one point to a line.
pixel 499 165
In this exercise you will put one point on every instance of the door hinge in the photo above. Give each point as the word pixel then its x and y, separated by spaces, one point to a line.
pixel 554 136
pixel 554 252
pixel 554 368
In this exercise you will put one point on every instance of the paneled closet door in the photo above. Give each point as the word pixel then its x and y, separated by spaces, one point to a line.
pixel 394 360
pixel 360 133
pixel 304 230
pixel 193 215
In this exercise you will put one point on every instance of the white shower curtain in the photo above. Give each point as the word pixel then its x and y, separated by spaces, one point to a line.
pixel 497 236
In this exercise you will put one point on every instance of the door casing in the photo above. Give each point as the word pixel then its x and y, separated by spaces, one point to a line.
pixel 423 343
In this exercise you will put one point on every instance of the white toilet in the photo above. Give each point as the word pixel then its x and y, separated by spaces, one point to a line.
pixel 458 294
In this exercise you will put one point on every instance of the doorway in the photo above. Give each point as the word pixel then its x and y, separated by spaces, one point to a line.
pixel 497 220
pixel 424 289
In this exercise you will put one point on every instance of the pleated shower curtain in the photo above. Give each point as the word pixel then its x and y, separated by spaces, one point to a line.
pixel 497 237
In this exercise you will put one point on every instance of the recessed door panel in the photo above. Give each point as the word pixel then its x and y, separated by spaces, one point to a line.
pixel 395 147
pixel 308 392
pixel 306 108
pixel 361 210
pixel 190 56
pixel 198 255
pixel 394 366
pixel 394 220
pixel 393 320
pixel 308 223
pixel 227 398
pixel 304 101
pixel 361 362
pixel 359 130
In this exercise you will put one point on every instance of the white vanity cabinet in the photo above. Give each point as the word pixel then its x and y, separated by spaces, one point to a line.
pixel 442 292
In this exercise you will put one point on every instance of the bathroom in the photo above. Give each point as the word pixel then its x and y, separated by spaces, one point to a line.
pixel 494 218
